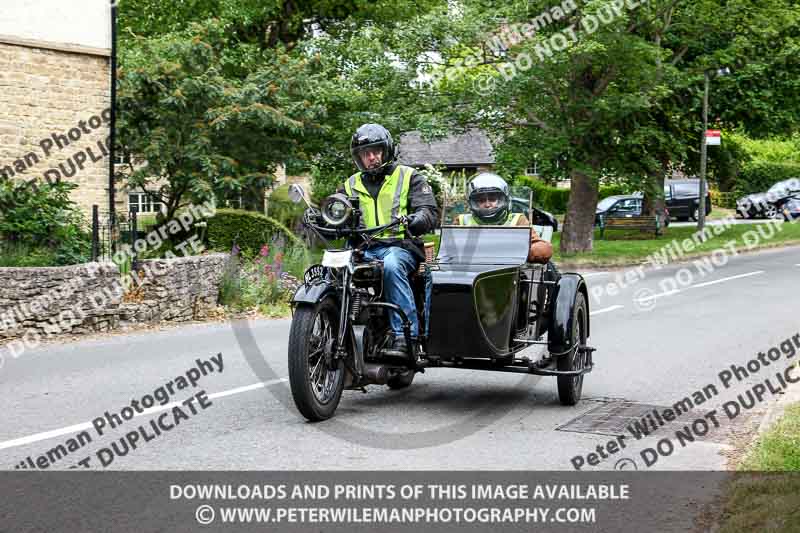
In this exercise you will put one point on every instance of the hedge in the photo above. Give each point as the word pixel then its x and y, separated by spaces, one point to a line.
pixel 759 176
pixel 249 230
pixel 554 199
pixel 723 199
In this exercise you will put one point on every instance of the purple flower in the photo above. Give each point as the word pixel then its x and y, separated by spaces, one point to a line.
pixel 265 250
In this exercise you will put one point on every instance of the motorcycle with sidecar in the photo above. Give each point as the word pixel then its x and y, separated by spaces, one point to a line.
pixel 480 304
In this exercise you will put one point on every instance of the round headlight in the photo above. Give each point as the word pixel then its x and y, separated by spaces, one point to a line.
pixel 336 210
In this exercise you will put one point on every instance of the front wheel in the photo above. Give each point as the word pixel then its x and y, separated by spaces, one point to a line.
pixel 316 379
pixel 571 387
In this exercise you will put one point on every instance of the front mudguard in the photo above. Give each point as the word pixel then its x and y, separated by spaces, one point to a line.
pixel 313 294
pixel 559 334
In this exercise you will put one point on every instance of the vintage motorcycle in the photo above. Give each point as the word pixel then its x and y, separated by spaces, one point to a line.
pixel 480 280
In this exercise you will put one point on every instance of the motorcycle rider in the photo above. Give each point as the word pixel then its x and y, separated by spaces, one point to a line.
pixel 387 190
pixel 489 203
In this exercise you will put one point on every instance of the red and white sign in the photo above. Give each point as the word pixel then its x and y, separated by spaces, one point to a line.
pixel 713 137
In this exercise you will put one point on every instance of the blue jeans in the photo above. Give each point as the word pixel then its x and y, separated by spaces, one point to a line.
pixel 398 264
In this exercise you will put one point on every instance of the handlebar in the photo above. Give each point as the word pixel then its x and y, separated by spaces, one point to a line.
pixel 366 232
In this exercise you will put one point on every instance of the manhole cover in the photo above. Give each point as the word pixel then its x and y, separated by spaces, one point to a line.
pixel 613 418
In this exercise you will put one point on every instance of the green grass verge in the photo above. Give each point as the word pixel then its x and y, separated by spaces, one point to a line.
pixel 779 448
pixel 766 496
pixel 622 247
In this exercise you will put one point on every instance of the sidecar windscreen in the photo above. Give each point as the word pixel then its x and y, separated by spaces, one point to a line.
pixel 487 245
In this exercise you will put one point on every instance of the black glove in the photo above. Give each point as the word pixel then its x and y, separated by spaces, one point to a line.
pixel 417 225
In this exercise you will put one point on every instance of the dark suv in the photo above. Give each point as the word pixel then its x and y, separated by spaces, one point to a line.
pixel 683 198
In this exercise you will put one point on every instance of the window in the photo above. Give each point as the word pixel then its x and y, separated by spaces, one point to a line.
pixel 687 189
pixel 121 158
pixel 140 202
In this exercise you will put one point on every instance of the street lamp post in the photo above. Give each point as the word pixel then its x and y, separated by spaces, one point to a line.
pixel 701 208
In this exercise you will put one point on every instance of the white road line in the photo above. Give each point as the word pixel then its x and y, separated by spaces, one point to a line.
pixel 706 284
pixel 22 441
pixel 606 310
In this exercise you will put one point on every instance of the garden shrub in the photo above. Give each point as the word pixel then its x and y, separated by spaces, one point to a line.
pixel 42 218
pixel 248 230
pixel 554 199
pixel 759 176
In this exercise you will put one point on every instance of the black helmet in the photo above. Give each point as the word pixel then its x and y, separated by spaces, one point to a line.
pixel 491 185
pixel 372 136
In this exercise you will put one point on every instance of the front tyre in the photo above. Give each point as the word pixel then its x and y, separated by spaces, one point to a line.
pixel 316 379
pixel 570 387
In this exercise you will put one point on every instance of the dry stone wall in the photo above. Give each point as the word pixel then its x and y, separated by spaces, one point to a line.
pixel 38 303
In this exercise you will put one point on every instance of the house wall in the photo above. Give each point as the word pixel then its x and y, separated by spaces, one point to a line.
pixel 46 95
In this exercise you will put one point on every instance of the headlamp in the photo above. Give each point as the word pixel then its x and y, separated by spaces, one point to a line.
pixel 336 210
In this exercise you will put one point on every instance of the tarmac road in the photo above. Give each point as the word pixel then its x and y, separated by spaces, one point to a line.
pixel 653 348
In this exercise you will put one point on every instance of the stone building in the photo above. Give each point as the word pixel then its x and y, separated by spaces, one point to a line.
pixel 55 94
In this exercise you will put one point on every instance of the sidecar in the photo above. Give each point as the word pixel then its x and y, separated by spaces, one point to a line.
pixel 488 304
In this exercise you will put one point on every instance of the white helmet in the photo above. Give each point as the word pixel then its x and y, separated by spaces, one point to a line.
pixel 487 184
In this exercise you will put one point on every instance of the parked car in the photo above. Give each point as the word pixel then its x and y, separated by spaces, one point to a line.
pixel 540 216
pixel 768 204
pixel 622 206
pixel 755 206
pixel 783 190
pixel 791 208
pixel 682 198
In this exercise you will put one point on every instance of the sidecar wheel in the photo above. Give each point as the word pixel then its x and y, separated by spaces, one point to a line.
pixel 316 388
pixel 571 387
pixel 401 381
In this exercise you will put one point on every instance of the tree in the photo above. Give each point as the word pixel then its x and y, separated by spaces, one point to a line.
pixel 194 132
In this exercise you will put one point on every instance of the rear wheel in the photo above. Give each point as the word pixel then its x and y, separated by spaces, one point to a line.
pixel 771 212
pixel 570 387
pixel 316 379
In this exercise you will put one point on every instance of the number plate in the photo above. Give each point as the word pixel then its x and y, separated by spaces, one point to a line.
pixel 336 259
pixel 314 274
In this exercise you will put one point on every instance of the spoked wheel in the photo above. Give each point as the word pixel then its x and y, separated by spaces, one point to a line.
pixel 570 387
pixel 316 381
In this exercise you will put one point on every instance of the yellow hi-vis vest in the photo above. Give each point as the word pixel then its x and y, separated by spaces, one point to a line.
pixel 469 220
pixel 392 200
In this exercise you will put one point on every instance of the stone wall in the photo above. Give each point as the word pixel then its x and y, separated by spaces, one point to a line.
pixel 45 93
pixel 40 303
pixel 176 290
pixel 58 300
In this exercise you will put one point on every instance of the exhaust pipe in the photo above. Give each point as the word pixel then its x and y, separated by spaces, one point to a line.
pixel 377 374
